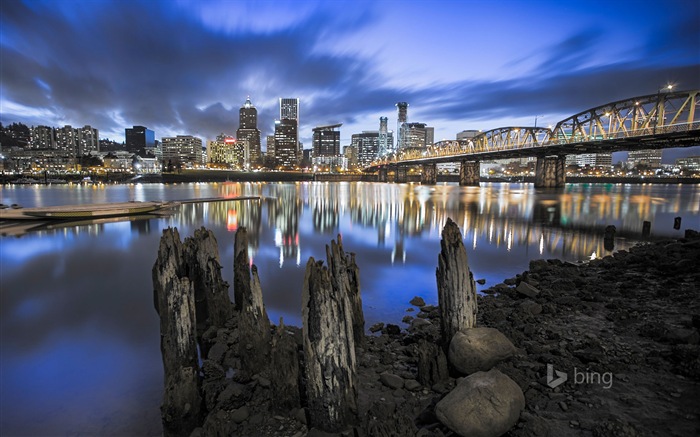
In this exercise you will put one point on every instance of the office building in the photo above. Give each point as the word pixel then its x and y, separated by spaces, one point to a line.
pixel 367 146
pixel 287 154
pixel 650 158
pixel 386 141
pixel 590 159
pixel 289 110
pixel 221 151
pixel 691 163
pixel 326 140
pixel 183 149
pixel 401 120
pixel 140 138
pixel 248 134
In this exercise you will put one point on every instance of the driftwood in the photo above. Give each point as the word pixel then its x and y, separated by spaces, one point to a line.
pixel 329 351
pixel 345 276
pixel 174 299
pixel 253 323
pixel 455 283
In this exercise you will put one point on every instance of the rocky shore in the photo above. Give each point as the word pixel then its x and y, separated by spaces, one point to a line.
pixel 618 337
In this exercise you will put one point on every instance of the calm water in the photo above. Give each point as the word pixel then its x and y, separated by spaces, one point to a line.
pixel 79 335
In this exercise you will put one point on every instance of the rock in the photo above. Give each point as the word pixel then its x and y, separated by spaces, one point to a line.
pixel 407 319
pixel 527 289
pixel 390 380
pixel 392 329
pixel 417 301
pixel 412 385
pixel 530 307
pixel 376 327
pixel 418 324
pixel 484 404
pixel 481 281
pixel 240 415
pixel 478 349
pixel 539 265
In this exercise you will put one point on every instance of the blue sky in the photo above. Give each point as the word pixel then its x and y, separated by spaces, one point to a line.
pixel 186 66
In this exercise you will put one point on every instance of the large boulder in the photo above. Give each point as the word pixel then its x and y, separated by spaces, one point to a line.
pixel 478 349
pixel 484 404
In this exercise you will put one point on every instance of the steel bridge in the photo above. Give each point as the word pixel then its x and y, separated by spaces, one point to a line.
pixel 655 121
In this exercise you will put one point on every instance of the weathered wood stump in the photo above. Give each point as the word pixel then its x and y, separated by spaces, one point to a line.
pixel 329 351
pixel 432 363
pixel 455 283
pixel 345 275
pixel 284 371
pixel 253 323
pixel 201 257
pixel 174 299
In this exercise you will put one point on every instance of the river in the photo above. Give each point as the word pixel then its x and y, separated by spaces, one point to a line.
pixel 79 339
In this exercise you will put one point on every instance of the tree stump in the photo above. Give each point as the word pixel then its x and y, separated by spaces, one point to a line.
pixel 175 303
pixel 345 275
pixel 253 323
pixel 329 351
pixel 432 363
pixel 284 371
pixel 455 283
pixel 213 305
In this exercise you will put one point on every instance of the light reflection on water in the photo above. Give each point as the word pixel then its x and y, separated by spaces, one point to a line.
pixel 79 335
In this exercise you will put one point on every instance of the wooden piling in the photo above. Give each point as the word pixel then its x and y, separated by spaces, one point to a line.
pixel 455 283
pixel 345 275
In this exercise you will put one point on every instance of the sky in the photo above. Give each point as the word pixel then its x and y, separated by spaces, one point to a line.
pixel 185 67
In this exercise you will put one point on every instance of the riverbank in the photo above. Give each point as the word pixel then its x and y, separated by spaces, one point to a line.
pixel 623 329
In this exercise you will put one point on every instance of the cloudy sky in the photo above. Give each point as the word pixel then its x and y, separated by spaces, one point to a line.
pixel 184 67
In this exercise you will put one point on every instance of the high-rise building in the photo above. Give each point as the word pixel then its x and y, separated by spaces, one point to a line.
pixel 350 153
pixel 270 146
pixel 402 119
pixel 418 135
pixel 367 146
pixel 248 134
pixel 326 140
pixel 289 109
pixel 65 139
pixel 286 144
pixel 138 138
pixel 88 140
pixel 182 149
pixel 385 147
pixel 649 157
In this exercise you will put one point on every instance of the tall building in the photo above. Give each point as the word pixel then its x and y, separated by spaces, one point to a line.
pixel 417 135
pixel 650 158
pixel 385 147
pixel 270 146
pixel 286 144
pixel 402 119
pixel 289 109
pixel 350 153
pixel 367 146
pixel 88 140
pixel 182 149
pixel 65 139
pixel 138 138
pixel 326 140
pixel 248 134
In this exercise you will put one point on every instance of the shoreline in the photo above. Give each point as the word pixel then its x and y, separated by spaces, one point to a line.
pixel 238 176
pixel 624 329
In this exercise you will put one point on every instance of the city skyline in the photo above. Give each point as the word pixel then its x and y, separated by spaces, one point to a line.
pixel 459 65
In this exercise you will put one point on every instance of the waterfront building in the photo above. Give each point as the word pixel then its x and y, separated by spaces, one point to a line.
pixel 221 150
pixel 289 110
pixel 39 160
pixel 139 138
pixel 286 143
pixel 590 159
pixel 350 153
pixel 248 134
pixel 650 158
pixel 42 137
pixel 367 146
pixel 691 163
pixel 326 141
pixel 181 149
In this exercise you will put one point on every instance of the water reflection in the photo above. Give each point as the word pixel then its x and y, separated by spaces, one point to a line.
pixel 79 334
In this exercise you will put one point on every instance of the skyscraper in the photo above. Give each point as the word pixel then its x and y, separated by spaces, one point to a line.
pixel 326 140
pixel 366 144
pixel 289 110
pixel 401 121
pixel 384 146
pixel 248 134
pixel 286 149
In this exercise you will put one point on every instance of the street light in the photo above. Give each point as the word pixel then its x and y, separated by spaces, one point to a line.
pixel 668 87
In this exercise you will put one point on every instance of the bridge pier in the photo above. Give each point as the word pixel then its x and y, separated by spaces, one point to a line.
pixel 469 173
pixel 401 175
pixel 429 175
pixel 383 175
pixel 550 172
